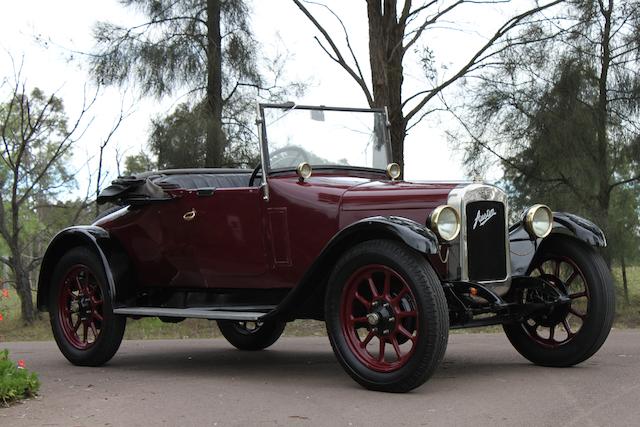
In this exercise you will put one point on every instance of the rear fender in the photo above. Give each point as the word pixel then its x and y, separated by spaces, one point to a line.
pixel 524 249
pixel 93 237
pixel 307 296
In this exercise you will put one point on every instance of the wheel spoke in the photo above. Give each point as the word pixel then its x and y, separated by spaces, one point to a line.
pixel 567 328
pixel 401 294
pixel 571 278
pixel 404 314
pixel 363 301
pixel 356 320
pixel 372 286
pixel 367 339
pixel 556 272
pixel 94 330
pixel 396 347
pixel 575 313
pixel 77 325
pixel 381 350
pixel 97 316
pixel 387 284
pixel 552 330
pixel 406 333
pixel 578 295
pixel 85 330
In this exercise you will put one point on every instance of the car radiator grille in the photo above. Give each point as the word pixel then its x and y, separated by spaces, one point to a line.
pixel 486 250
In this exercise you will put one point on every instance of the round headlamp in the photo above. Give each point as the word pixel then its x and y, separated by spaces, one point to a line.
pixel 394 171
pixel 538 221
pixel 304 170
pixel 445 222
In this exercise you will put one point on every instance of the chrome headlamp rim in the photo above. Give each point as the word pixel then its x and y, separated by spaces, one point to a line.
pixel 529 217
pixel 434 218
pixel 304 170
pixel 393 171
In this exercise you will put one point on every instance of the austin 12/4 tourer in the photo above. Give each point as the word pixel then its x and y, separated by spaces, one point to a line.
pixel 324 228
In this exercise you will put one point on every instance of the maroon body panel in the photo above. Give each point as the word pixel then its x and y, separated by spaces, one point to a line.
pixel 238 240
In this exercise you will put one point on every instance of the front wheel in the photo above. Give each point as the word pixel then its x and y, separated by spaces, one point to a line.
pixel 571 333
pixel 386 316
pixel 82 320
pixel 251 336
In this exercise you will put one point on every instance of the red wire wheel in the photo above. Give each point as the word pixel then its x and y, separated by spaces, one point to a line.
pixel 379 318
pixel 84 326
pixel 570 332
pixel 80 307
pixel 563 323
pixel 387 316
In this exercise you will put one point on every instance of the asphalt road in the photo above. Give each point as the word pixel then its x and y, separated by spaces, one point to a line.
pixel 482 381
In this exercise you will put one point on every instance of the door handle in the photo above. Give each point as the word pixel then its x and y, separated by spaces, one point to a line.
pixel 189 216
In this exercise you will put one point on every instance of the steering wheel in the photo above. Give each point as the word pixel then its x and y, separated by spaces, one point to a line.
pixel 254 174
pixel 298 153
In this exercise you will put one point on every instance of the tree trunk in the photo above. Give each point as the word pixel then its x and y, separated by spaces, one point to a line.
pixel 23 288
pixel 625 285
pixel 215 137
pixel 385 59
pixel 602 122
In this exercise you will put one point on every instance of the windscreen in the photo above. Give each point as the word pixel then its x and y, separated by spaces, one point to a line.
pixel 326 138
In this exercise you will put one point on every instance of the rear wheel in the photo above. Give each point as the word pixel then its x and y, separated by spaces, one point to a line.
pixel 251 336
pixel 386 316
pixel 82 320
pixel 571 333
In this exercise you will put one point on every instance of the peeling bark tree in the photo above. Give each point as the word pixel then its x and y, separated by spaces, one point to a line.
pixel 392 33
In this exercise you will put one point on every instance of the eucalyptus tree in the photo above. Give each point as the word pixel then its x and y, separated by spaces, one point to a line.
pixel 395 31
pixel 564 123
pixel 203 50
pixel 35 142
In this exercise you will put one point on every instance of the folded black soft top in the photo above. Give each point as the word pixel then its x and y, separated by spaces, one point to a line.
pixel 150 186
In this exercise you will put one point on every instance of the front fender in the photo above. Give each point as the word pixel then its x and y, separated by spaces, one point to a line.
pixel 524 248
pixel 305 296
pixel 91 236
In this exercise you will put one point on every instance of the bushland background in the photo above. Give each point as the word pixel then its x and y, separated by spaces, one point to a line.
pixel 541 98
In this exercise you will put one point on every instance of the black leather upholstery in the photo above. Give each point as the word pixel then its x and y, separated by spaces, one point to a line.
pixel 193 181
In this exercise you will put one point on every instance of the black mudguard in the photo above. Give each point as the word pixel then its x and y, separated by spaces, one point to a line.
pixel 312 285
pixel 524 248
pixel 91 236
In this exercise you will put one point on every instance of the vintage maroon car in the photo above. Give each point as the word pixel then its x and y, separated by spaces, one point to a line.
pixel 324 229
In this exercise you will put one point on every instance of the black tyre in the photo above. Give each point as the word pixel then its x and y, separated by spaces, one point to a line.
pixel 82 320
pixel 386 316
pixel 251 336
pixel 572 333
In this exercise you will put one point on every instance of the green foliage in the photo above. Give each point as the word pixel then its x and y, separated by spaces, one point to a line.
pixel 178 140
pixel 16 382
pixel 138 163
pixel 34 157
pixel 173 51
pixel 564 124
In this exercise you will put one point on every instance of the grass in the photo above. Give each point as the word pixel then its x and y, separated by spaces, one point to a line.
pixel 628 315
pixel 12 328
pixel 16 382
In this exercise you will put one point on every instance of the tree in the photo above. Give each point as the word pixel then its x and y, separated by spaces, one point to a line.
pixel 565 123
pixel 138 163
pixel 393 34
pixel 203 48
pixel 36 141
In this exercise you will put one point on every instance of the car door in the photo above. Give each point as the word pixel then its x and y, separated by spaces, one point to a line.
pixel 224 228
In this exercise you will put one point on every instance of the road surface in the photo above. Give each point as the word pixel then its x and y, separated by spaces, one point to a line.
pixel 482 381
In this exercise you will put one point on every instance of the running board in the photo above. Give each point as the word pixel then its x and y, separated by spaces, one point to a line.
pixel 195 313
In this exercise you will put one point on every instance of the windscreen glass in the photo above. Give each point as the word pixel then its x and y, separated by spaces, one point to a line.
pixel 326 138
